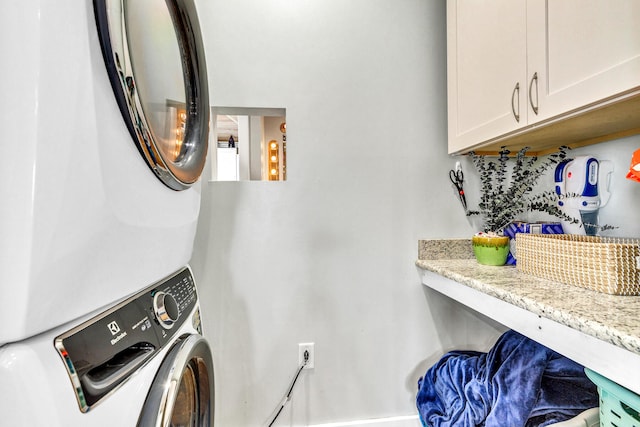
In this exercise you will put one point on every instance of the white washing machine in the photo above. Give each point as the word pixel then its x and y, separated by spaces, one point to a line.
pixel 140 363
pixel 92 205
pixel 99 198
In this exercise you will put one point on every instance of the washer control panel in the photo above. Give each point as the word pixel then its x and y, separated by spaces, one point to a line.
pixel 103 352
pixel 173 298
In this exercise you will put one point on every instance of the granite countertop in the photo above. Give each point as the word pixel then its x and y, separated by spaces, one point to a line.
pixel 610 318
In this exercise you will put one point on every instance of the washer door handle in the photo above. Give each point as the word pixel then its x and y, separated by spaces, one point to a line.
pixel 105 377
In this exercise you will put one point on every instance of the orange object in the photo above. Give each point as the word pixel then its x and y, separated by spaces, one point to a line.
pixel 634 169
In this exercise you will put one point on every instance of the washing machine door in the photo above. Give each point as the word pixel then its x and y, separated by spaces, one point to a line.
pixel 154 56
pixel 182 391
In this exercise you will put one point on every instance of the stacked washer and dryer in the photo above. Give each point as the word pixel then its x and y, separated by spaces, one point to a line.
pixel 100 315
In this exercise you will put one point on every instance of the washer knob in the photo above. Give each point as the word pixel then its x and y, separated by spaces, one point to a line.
pixel 166 309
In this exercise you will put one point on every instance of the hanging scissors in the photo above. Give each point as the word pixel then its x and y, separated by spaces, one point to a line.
pixel 457 178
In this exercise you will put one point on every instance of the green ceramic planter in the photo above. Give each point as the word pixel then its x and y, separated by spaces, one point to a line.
pixel 491 250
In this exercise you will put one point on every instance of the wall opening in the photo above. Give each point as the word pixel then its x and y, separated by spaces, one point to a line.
pixel 248 144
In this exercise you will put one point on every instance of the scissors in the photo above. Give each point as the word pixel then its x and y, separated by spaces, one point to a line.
pixel 457 178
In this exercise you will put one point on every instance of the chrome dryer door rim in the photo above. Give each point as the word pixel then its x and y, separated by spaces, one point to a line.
pixel 182 392
pixel 181 165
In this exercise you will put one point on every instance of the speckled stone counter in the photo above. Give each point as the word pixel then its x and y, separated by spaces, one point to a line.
pixel 612 319
pixel 445 249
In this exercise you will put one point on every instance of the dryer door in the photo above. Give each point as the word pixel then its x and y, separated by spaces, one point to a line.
pixel 154 56
pixel 182 391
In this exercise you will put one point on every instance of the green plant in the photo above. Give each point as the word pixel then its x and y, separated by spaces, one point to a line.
pixel 507 190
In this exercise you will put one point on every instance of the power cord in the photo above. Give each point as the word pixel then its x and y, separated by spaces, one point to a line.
pixel 287 397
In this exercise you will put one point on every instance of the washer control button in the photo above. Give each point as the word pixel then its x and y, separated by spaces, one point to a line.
pixel 166 309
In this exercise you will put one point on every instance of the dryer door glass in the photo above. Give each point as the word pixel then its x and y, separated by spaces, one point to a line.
pixel 186 408
pixel 182 391
pixel 155 59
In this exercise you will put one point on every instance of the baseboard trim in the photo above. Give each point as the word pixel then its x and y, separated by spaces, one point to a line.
pixel 402 421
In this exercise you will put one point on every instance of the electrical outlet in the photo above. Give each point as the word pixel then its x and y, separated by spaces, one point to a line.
pixel 306 347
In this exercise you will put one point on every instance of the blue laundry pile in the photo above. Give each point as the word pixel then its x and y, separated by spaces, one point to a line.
pixel 518 383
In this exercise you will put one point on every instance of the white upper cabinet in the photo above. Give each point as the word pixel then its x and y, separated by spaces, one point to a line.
pixel 521 66
pixel 585 51
pixel 486 60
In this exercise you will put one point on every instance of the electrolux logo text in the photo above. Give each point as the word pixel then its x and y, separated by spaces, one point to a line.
pixel 114 329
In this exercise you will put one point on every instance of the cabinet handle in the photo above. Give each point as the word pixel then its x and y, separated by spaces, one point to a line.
pixel 534 107
pixel 516 90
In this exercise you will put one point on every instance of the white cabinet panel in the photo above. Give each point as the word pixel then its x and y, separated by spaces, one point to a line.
pixel 486 60
pixel 584 51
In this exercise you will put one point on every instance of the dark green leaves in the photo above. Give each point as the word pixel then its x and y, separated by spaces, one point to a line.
pixel 506 184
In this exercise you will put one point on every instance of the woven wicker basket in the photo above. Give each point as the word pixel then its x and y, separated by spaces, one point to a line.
pixel 608 265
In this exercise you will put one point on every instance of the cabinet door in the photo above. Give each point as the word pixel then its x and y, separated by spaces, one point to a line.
pixel 583 51
pixel 486 60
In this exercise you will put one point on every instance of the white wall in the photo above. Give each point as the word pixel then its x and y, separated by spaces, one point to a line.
pixel 328 256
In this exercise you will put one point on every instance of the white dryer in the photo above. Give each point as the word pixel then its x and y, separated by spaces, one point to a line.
pixel 92 205
pixel 140 363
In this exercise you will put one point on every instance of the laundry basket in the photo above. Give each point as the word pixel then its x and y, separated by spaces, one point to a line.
pixel 619 407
